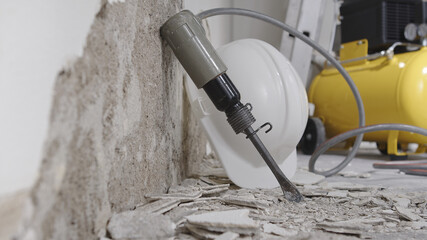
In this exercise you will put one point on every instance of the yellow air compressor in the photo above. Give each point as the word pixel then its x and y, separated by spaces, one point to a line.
pixel 393 88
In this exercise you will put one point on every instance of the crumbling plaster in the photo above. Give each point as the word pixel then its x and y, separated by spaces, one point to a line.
pixel 120 125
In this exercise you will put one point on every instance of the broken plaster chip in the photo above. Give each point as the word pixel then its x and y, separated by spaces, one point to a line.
pixel 347 227
pixel 341 230
pixel 370 221
pixel 274 229
pixel 183 197
pixel 338 194
pixel 202 233
pixel 160 206
pixel 349 174
pixel 268 218
pixel 133 224
pixel 349 186
pixel 365 175
pixel 207 180
pixel 177 214
pixel 391 219
pixel 407 214
pixel 353 174
pixel 401 202
pixel 388 212
pixel 214 190
pixel 390 224
pixel 206 188
pixel 315 193
pixel 306 178
pixel 232 220
pixel 371 201
pixel 227 236
pixel 418 225
pixel 247 202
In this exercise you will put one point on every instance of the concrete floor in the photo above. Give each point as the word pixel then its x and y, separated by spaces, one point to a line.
pixel 367 155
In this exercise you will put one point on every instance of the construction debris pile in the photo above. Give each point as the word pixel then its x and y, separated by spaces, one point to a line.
pixel 213 208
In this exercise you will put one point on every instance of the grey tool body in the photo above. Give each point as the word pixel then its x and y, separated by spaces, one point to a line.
pixel 186 36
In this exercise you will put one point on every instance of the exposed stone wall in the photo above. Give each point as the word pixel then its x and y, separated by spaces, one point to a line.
pixel 120 125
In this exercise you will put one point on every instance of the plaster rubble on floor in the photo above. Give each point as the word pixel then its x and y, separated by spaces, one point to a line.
pixel 350 211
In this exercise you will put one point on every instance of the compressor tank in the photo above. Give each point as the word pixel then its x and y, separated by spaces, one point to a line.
pixel 393 89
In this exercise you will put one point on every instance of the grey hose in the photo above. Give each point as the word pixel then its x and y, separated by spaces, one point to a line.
pixel 332 60
pixel 371 128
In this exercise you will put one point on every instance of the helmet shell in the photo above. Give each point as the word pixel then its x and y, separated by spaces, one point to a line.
pixel 266 80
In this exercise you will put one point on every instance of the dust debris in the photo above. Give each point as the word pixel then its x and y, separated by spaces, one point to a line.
pixel 211 207
pixel 353 174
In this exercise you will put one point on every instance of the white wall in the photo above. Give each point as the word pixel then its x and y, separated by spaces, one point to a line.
pixel 219 27
pixel 227 28
pixel 37 37
pixel 244 27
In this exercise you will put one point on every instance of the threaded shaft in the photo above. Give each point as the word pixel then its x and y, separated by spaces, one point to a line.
pixel 241 119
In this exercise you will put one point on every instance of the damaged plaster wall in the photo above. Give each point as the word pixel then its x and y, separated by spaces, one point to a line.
pixel 120 125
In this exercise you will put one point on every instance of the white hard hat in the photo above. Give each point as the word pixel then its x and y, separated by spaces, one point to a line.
pixel 266 80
